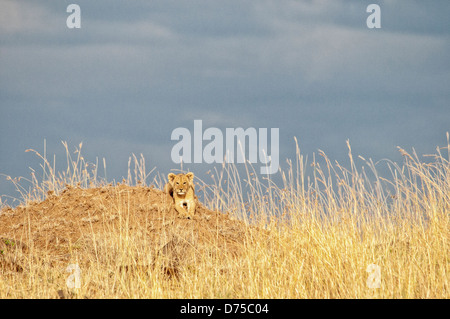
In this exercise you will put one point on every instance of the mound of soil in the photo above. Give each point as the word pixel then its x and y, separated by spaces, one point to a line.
pixel 57 226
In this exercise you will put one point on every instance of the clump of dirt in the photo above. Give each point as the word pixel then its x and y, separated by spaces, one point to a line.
pixel 95 220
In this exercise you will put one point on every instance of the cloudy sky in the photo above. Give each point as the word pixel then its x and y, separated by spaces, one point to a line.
pixel 136 70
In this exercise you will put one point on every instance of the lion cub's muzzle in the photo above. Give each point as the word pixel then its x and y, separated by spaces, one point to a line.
pixel 181 192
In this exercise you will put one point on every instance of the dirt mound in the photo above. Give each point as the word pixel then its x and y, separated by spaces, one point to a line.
pixel 95 223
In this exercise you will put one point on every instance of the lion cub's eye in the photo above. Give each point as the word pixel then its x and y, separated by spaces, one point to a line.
pixel 184 183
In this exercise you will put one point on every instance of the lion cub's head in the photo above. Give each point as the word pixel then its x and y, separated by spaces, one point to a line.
pixel 181 182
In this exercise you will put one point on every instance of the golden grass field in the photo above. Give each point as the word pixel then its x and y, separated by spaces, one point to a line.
pixel 339 233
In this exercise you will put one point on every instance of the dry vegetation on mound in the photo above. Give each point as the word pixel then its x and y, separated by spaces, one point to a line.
pixel 61 225
pixel 308 239
pixel 123 230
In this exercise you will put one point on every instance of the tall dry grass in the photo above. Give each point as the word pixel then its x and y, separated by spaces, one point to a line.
pixel 329 232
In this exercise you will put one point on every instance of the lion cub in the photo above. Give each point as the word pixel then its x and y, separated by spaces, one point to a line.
pixel 181 188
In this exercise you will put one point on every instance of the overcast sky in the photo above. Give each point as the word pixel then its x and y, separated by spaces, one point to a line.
pixel 136 70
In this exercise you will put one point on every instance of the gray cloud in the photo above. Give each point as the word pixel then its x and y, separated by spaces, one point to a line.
pixel 137 70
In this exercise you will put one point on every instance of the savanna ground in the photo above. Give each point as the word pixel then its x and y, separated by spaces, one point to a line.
pixel 335 233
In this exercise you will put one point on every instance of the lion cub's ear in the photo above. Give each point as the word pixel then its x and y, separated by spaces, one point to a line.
pixel 190 176
pixel 171 177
